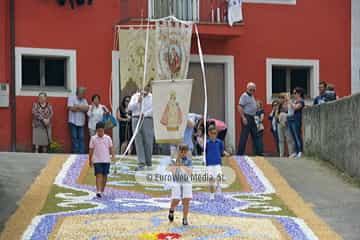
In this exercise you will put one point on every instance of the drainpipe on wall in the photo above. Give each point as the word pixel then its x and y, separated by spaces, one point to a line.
pixel 12 76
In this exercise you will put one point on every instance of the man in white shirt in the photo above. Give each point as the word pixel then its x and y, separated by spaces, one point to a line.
pixel 145 136
pixel 77 106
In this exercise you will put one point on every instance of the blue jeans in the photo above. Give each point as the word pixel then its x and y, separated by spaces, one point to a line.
pixel 77 138
pixel 276 139
pixel 295 130
pixel 251 129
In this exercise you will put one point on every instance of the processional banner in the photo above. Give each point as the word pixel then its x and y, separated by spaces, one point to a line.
pixel 168 57
pixel 132 44
pixel 171 99
pixel 172 47
pixel 171 103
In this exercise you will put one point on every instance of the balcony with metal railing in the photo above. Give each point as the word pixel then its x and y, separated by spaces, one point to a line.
pixel 210 15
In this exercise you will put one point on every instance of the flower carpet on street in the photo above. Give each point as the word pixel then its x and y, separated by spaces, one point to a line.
pixel 256 203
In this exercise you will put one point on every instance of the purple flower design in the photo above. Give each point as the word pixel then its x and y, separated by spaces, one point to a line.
pixel 117 201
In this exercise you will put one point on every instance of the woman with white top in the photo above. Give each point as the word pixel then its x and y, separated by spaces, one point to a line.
pixel 95 113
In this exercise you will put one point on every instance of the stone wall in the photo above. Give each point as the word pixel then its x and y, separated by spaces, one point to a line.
pixel 332 133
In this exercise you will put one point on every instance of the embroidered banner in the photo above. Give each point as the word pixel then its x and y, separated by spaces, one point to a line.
pixel 172 47
pixel 132 55
pixel 171 103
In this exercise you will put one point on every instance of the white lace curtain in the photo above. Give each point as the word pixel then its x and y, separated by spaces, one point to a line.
pixel 182 9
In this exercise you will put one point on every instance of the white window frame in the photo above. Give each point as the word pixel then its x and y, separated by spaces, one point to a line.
pixel 115 76
pixel 355 46
pixel 70 55
pixel 313 64
pixel 285 2
pixel 229 70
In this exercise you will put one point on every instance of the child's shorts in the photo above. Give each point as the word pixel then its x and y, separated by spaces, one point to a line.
pixel 214 172
pixel 102 168
pixel 181 191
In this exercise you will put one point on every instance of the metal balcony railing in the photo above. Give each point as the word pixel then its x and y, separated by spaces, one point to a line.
pixel 200 11
pixel 182 9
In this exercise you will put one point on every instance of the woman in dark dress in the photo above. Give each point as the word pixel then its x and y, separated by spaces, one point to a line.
pixel 124 118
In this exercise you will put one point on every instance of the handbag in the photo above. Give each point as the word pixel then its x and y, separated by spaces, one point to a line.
pixel 109 121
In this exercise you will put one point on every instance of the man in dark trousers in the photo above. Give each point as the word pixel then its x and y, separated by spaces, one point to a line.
pixel 247 109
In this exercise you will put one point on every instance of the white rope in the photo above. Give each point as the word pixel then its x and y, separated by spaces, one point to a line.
pixel 205 88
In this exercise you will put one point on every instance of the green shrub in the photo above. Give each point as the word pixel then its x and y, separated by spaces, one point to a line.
pixel 56 147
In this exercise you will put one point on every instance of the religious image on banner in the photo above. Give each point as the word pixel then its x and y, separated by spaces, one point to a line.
pixel 172 47
pixel 132 58
pixel 170 114
pixel 174 59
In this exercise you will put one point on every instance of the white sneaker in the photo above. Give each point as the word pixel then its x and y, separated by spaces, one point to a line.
pixel 293 155
pixel 299 155
pixel 212 196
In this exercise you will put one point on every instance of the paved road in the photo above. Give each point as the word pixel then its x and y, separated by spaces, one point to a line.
pixel 334 199
pixel 17 172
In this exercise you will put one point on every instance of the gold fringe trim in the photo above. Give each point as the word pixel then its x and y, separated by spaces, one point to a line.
pixel 295 202
pixel 172 129
pixel 33 200
pixel 169 141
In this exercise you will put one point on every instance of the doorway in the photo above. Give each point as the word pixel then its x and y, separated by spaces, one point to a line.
pixel 215 77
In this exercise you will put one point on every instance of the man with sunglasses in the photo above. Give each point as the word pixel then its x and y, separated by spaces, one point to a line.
pixel 247 109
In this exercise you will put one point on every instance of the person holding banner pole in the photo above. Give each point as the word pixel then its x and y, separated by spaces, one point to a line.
pixel 142 110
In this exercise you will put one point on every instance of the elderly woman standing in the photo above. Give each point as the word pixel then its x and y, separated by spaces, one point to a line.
pixel 41 123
